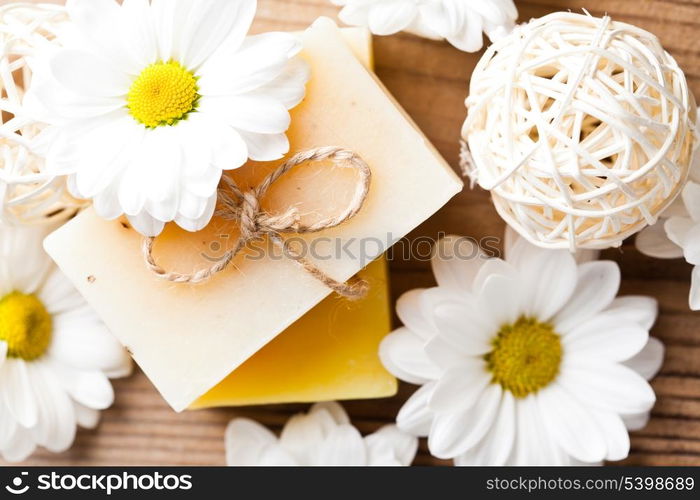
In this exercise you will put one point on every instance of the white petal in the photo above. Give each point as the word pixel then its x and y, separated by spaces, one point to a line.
pixel 677 229
pixel 532 446
pixel 605 336
pixel 415 416
pixel 160 170
pixel 131 195
pixel 246 442
pixel 468 35
pixel 465 327
pixel 691 200
pixel 81 340
pixel 105 152
pixel 456 262
pixel 303 434
pixel 275 455
pixel 89 388
pixel 608 386
pixel 460 387
pixel 138 34
pixel 289 87
pixel 354 13
pixel 191 205
pixel 262 60
pixel 694 297
pixel 50 102
pixel 550 277
pixel 3 354
pixel 169 17
pixel 652 241
pixel 69 153
pixel 57 420
pixel 265 147
pixel 18 393
pixel 87 418
pixel 501 300
pixel 261 115
pixel 211 25
pixel 497 444
pixel 106 203
pixel 332 409
pixel 691 245
pixel 23 262
pixel 403 355
pixel 642 310
pixel 637 421
pixel 227 150
pixel 391 445
pixel 454 433
pixel 58 294
pixel 8 425
pixel 342 446
pixel 99 22
pixel 411 312
pixel 598 283
pixel 194 135
pixel 199 223
pixel 648 362
pixel 387 18
pixel 85 73
pixel 19 447
pixel 491 267
pixel 443 353
pixel 572 426
pixel 145 224
pixel 614 433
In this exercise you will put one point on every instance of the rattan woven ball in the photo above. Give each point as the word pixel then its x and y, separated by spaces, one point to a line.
pixel 581 127
pixel 27 194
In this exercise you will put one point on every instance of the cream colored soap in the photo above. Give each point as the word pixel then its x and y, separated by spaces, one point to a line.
pixel 330 353
pixel 187 338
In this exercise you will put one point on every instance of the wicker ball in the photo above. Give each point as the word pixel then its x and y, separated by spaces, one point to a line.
pixel 27 195
pixel 582 129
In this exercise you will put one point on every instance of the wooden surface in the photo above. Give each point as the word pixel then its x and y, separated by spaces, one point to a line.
pixel 430 80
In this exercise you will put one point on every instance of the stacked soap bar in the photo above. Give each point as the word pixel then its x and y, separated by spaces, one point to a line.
pixel 245 336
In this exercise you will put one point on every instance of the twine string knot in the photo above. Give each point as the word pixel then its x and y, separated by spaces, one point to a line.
pixel 244 207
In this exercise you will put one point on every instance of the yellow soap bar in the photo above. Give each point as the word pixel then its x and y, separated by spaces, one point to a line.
pixel 188 338
pixel 328 354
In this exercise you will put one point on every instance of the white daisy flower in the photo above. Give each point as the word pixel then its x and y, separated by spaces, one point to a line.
pixel 56 357
pixel 524 361
pixel 460 22
pixel 324 436
pixel 149 102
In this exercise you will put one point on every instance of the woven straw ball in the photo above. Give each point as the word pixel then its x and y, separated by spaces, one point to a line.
pixel 27 194
pixel 582 129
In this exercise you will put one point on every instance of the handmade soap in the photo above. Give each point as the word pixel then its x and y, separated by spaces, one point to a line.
pixel 330 353
pixel 188 338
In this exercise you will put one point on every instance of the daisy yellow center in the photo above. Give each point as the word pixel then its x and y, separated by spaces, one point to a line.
pixel 162 94
pixel 25 325
pixel 526 356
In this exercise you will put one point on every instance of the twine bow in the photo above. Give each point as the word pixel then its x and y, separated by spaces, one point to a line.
pixel 244 207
